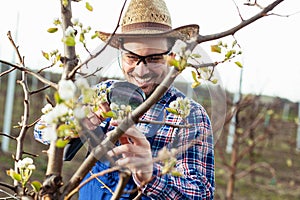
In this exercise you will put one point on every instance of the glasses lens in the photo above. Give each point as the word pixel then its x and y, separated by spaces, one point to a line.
pixel 134 59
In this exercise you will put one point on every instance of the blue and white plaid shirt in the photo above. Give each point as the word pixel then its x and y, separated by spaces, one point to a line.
pixel 196 163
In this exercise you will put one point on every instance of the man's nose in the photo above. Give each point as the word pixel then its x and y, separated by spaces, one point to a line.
pixel 141 69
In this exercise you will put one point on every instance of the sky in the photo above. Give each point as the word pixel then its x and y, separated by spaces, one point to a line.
pixel 270 46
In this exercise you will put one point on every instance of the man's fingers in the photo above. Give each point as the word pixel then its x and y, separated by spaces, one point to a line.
pixel 129 149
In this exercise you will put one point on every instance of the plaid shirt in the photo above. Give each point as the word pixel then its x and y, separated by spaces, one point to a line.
pixel 196 163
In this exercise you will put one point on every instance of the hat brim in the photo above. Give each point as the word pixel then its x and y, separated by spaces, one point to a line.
pixel 183 33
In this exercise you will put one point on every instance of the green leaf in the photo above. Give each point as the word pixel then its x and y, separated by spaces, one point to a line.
pixel 52 30
pixel 81 38
pixel 228 54
pixel 194 55
pixel 109 114
pixel 60 143
pixel 239 64
pixel 94 36
pixel 57 98
pixel 70 41
pixel 46 55
pixel 215 48
pixel 195 84
pixel 194 75
pixel 65 3
pixel 171 110
pixel 88 6
pixel 176 173
pixel 234 43
pixel 36 186
pixel 183 64
pixel 14 175
pixel 214 81
pixel 64 130
pixel 173 62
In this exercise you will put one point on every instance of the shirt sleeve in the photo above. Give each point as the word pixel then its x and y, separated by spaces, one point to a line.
pixel 38 132
pixel 196 164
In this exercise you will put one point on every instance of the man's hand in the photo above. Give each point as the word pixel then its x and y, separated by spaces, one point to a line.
pixel 93 119
pixel 136 154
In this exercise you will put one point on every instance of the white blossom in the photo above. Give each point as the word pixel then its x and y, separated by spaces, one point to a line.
pixel 79 113
pixel 66 89
pixel 60 110
pixel 174 104
pixel 82 83
pixel 49 117
pixel 31 167
pixel 75 21
pixel 28 161
pixel 49 133
pixel 20 164
pixel 55 114
pixel 69 31
pixel 114 106
pixel 47 108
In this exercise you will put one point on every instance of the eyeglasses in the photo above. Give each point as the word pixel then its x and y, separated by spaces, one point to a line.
pixel 135 59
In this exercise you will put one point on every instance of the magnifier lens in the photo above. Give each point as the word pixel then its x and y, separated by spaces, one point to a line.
pixel 125 93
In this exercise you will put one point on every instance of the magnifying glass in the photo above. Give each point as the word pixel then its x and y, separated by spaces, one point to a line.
pixel 125 93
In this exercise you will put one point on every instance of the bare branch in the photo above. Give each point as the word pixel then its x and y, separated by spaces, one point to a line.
pixel 104 47
pixel 9 136
pixel 243 24
pixel 255 166
pixel 28 71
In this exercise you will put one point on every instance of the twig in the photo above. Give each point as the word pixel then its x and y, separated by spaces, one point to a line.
pixel 7 71
pixel 124 177
pixel 104 47
pixel 165 123
pixel 255 166
pixel 9 136
pixel 93 176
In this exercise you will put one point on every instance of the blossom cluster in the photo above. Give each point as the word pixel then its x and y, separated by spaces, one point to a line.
pixel 181 106
pixel 120 111
pixel 25 168
pixel 74 100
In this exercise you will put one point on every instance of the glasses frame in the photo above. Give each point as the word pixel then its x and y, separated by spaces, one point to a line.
pixel 141 58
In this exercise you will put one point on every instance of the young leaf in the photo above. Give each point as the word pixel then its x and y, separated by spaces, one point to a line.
pixel 88 6
pixel 108 114
pixel 36 186
pixel 46 55
pixel 171 110
pixel 81 38
pixel 60 143
pixel 70 41
pixel 194 75
pixel 215 48
pixel 214 81
pixel 57 98
pixel 228 54
pixel 52 30
pixel 195 84
pixel 176 173
pixel 14 175
pixel 239 64
pixel 234 43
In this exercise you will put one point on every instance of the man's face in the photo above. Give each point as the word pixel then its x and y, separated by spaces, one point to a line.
pixel 143 62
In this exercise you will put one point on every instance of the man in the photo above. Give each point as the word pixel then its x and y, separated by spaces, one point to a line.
pixel 146 39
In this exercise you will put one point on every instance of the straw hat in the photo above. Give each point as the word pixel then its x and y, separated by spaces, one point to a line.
pixel 148 18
